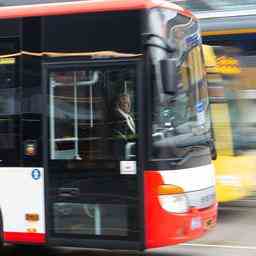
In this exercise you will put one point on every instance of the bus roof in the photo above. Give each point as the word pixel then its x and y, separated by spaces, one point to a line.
pixel 86 6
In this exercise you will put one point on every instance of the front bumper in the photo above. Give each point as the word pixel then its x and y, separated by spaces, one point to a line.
pixel 179 228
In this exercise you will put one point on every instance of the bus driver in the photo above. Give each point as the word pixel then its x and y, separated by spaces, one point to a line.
pixel 123 123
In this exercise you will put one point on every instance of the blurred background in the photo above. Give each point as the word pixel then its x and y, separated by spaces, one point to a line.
pixel 229 38
pixel 216 5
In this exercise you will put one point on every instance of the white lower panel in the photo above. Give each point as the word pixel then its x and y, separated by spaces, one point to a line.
pixel 22 192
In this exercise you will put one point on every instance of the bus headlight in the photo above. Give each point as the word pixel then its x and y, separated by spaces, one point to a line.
pixel 174 203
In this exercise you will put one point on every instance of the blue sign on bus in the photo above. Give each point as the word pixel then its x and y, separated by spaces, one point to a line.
pixel 36 174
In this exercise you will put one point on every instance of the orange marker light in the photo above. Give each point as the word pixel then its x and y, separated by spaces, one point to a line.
pixel 169 190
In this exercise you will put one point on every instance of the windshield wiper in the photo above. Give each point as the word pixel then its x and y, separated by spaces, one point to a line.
pixel 187 156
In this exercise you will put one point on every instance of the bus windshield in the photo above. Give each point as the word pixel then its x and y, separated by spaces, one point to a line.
pixel 182 121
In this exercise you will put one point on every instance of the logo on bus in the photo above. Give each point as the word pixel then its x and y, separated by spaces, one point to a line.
pixel 36 174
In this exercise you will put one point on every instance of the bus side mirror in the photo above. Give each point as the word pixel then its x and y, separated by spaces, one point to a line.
pixel 213 149
pixel 169 75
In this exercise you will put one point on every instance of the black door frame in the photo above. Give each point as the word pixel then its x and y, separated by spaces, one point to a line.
pixel 50 64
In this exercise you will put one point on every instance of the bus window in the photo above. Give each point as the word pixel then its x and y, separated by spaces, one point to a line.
pixel 9 105
pixel 91 219
pixel 89 114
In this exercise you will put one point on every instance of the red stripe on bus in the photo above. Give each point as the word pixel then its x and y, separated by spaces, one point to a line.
pixel 35 238
pixel 73 8
pixel 83 7
pixel 163 228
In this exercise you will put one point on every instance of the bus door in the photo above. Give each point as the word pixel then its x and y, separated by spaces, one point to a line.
pixel 92 183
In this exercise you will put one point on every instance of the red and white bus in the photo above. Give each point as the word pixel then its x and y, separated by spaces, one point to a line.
pixel 104 125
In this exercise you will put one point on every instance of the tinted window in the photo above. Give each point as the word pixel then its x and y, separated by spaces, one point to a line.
pixel 182 120
pixel 93 114
pixel 9 104
pixel 92 142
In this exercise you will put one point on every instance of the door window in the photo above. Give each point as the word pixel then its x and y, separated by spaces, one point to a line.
pixel 93 114
pixel 92 141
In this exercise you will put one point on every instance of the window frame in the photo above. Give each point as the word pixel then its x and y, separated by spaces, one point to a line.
pixel 70 64
pixel 50 165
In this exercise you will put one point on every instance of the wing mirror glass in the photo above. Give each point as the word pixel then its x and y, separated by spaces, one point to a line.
pixel 169 75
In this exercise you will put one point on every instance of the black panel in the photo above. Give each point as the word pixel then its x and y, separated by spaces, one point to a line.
pixel 116 196
pixel 87 32
pixel 10 103
pixel 31 34
pixel 20 89
pixel 10 28
pixel 104 244
pixel 32 105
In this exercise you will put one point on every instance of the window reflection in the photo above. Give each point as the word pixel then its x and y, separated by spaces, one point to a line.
pixel 92 114
pixel 9 108
pixel 184 119
pixel 91 219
